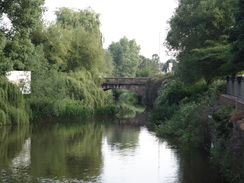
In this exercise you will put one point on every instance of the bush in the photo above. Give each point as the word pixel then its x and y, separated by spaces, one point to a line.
pixel 154 85
pixel 178 110
pixel 185 124
pixel 160 114
pixel 66 108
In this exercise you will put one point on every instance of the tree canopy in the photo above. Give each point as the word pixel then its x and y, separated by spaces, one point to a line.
pixel 198 34
pixel 126 57
pixel 21 16
pixel 237 38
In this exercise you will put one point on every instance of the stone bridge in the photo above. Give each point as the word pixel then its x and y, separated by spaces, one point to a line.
pixel 137 85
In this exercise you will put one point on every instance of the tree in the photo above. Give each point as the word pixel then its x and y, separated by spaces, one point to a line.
pixel 108 67
pixel 74 42
pixel 126 57
pixel 237 38
pixel 16 48
pixel 86 18
pixel 23 14
pixel 194 24
pixel 148 67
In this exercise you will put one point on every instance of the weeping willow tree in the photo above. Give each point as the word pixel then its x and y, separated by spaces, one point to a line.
pixel 82 86
pixel 12 104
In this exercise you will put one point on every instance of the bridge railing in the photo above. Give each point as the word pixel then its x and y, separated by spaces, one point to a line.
pixel 235 86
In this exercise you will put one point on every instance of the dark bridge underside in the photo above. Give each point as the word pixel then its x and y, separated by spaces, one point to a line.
pixel 137 85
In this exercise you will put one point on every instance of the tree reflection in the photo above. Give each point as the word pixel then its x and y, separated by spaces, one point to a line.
pixel 72 151
pixel 123 137
pixel 14 152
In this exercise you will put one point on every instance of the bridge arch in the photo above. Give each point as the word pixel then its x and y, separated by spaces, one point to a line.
pixel 137 85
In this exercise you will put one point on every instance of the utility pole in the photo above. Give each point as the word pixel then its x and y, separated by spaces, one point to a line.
pixel 159 47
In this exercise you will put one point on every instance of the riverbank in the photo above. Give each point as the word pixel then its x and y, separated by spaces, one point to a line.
pixel 193 115
pixel 97 150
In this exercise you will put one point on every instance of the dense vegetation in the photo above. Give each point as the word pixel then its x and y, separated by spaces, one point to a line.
pixel 13 109
pixel 66 58
pixel 207 39
pixel 202 33
pixel 68 64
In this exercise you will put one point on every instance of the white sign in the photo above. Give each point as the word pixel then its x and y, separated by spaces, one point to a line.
pixel 22 79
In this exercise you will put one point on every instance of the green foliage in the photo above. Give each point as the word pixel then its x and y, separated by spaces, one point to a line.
pixel 172 94
pixel 185 123
pixel 86 51
pixel 48 83
pixel 153 85
pixel 223 125
pixel 160 114
pixel 23 14
pixel 66 108
pixel 16 49
pixel 81 86
pixel 58 94
pixel 191 114
pixel 58 108
pixel 128 104
pixel 108 110
pixel 126 57
pixel 198 35
pixel 237 38
pixel 13 109
pixel 179 111
pixel 107 68
pixel 227 150
pixel 73 42
pixel 147 66
pixel 66 59
pixel 86 18
pixel 143 72
pixel 70 60
pixel 56 44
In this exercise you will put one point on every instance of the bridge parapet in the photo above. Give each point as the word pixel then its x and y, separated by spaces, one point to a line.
pixel 126 81
pixel 137 85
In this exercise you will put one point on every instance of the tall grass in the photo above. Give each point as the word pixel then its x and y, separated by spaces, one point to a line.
pixel 66 108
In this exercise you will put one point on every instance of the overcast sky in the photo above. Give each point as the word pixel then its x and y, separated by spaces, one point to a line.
pixel 145 21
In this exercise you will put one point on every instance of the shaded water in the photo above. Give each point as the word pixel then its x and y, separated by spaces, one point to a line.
pixel 97 151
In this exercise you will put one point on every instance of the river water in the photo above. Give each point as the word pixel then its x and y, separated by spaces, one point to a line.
pixel 101 151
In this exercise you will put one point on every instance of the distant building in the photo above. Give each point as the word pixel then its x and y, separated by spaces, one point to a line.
pixel 170 67
pixel 22 79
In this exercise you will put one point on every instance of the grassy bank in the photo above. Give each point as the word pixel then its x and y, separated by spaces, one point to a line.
pixel 42 108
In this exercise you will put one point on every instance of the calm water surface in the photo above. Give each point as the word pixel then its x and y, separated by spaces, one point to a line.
pixel 96 151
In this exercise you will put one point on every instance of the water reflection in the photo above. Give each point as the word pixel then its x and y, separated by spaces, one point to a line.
pixel 70 152
pixel 14 153
pixel 93 151
pixel 148 160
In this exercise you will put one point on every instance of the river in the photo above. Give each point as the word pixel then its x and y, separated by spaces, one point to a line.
pixel 96 150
